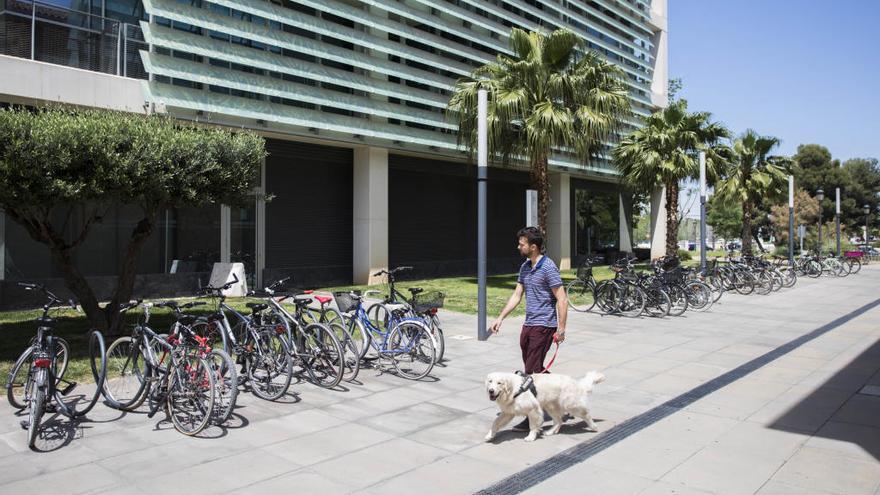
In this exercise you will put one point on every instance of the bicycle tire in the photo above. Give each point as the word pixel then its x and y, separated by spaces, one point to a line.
pixel 269 366
pixel 607 297
pixel 213 331
pixel 36 408
pixel 632 301
pixel 699 295
pixel 12 388
pixel 855 266
pixel 439 337
pixel 191 382
pixel 677 299
pixel 226 385
pixel 126 383
pixel 657 304
pixel 410 342
pixel 351 353
pixel 581 295
pixel 322 355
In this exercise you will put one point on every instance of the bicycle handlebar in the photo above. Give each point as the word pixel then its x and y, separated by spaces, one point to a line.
pixel 208 289
pixel 53 299
pixel 392 271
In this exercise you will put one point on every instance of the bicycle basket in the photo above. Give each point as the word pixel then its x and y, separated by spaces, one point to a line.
pixel 426 301
pixel 585 271
pixel 673 276
pixel 345 302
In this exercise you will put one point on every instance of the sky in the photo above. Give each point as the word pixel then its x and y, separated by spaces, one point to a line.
pixel 804 71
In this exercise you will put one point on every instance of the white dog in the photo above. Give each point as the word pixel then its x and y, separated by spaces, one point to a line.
pixel 557 394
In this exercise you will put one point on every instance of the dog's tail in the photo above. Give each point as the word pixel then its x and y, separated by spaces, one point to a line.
pixel 591 378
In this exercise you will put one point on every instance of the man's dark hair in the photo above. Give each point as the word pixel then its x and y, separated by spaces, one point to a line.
pixel 533 236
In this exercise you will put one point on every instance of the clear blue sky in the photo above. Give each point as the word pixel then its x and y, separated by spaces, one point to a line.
pixel 805 71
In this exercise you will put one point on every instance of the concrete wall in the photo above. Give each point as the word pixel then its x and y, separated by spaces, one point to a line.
pixel 31 82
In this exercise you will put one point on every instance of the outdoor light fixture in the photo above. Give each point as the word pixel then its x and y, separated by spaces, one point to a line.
pixel 820 195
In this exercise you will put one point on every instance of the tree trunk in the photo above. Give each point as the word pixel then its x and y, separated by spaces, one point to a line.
pixel 128 270
pixel 671 218
pixel 746 234
pixel 541 183
pixel 77 284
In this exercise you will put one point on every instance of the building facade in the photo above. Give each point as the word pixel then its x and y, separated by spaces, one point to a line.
pixel 350 94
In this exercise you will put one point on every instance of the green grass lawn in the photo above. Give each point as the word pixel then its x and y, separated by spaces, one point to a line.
pixel 17 327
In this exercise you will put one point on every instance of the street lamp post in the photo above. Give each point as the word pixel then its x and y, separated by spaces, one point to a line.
pixel 703 213
pixel 820 195
pixel 867 212
pixel 837 217
pixel 791 220
pixel 482 176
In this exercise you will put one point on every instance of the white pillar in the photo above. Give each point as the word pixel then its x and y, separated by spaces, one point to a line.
pixel 658 223
pixel 625 222
pixel 660 77
pixel 559 221
pixel 370 246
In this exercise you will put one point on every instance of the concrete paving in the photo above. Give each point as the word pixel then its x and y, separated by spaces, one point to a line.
pixel 804 423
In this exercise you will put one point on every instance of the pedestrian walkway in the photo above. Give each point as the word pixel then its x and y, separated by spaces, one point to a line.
pixel 804 422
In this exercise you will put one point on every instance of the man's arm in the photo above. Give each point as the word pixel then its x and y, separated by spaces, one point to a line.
pixel 512 303
pixel 561 311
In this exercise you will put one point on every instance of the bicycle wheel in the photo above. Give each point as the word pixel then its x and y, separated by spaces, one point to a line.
pixel 678 300
pixel 36 406
pixel 191 393
pixel 213 331
pixel 322 356
pixel 439 337
pixel 789 277
pixel 80 406
pixel 657 302
pixel 62 358
pixel 269 367
pixel 764 283
pixel 745 282
pixel 20 380
pixel 378 315
pixel 699 295
pixel 411 350
pixel 854 265
pixel 581 295
pixel 607 297
pixel 632 301
pixel 226 385
pixel 126 382
pixel 359 335
pixel 813 269
pixel 350 350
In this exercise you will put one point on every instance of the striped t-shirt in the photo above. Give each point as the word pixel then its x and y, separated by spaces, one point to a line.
pixel 538 283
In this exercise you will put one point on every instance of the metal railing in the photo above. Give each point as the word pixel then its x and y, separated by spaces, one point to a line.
pixel 48 33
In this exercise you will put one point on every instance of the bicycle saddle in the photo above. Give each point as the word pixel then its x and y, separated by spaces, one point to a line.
pixel 323 299
pixel 396 307
pixel 257 307
pixel 416 290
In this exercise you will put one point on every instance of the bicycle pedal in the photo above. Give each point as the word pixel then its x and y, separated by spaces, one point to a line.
pixel 24 424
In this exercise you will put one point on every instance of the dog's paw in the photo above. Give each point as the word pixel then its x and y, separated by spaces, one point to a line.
pixel 531 437
pixel 489 437
pixel 592 428
pixel 550 432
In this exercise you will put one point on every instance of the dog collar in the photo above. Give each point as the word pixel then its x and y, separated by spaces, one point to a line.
pixel 527 384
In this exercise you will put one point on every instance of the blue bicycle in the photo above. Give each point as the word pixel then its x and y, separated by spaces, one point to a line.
pixel 406 341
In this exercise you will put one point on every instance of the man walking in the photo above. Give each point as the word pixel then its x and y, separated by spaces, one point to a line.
pixel 546 304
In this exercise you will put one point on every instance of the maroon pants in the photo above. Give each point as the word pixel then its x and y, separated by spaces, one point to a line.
pixel 535 341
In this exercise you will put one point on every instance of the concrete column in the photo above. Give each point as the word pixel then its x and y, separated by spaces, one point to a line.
pixel 370 214
pixel 559 221
pixel 660 79
pixel 625 222
pixel 658 223
pixel 225 233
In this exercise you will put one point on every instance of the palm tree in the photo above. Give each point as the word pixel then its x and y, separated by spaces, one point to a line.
pixel 755 175
pixel 551 94
pixel 664 152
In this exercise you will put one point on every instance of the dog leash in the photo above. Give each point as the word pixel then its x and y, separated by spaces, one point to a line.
pixel 555 352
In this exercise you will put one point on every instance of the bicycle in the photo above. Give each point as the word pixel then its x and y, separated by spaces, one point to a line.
pixel 183 386
pixel 352 346
pixel 38 385
pixel 421 304
pixel 407 341
pixel 313 346
pixel 582 290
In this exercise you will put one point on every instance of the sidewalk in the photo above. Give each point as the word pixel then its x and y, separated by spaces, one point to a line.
pixel 796 425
